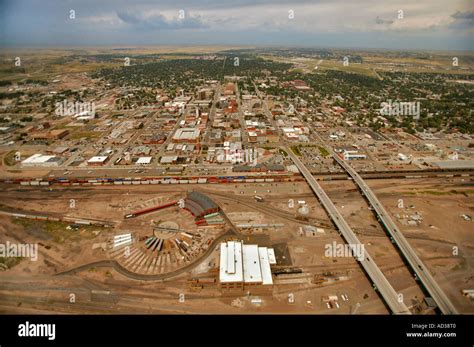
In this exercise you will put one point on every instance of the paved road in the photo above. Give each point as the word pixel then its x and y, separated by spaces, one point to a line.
pixel 420 269
pixel 389 294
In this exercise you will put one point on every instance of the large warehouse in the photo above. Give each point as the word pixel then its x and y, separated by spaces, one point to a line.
pixel 41 160
pixel 245 267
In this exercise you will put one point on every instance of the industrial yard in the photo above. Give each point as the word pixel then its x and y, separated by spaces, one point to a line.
pixel 169 168
pixel 83 260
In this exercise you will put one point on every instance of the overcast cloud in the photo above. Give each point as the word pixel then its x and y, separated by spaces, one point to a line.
pixel 426 24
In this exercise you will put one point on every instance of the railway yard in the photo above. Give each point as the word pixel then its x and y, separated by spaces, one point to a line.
pixel 187 183
pixel 80 262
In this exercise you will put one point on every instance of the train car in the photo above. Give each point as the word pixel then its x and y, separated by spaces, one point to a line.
pixel 160 245
pixel 187 235
pixel 19 215
pixel 150 244
pixel 202 180
pixel 212 180
pixel 83 222
pixel 211 215
pixel 155 245
pixel 183 247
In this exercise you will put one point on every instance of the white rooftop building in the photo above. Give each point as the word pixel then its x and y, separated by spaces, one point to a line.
pixel 97 160
pixel 144 161
pixel 231 268
pixel 41 160
pixel 245 265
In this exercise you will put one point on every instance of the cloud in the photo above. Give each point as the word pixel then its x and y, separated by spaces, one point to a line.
pixel 158 21
pixel 462 20
pixel 442 24
pixel 379 20
pixel 469 15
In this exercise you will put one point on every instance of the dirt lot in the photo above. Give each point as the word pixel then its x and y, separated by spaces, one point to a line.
pixel 320 276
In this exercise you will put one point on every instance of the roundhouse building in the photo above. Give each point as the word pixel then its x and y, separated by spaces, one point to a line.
pixel 200 205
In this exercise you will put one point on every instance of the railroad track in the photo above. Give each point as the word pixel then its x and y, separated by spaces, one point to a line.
pixel 157 277
pixel 269 210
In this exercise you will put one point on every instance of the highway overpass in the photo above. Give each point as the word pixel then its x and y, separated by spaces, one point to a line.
pixel 420 269
pixel 390 296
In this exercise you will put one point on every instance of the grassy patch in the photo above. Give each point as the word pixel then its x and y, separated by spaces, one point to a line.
pixel 9 262
pixel 324 152
pixel 9 159
pixel 57 231
pixel 296 150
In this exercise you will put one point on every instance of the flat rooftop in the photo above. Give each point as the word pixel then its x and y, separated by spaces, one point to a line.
pixel 39 159
pixel 245 263
pixel 454 164
pixel 231 269
pixel 143 160
pixel 98 159
pixel 186 134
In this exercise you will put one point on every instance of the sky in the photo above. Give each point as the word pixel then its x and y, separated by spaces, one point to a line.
pixel 390 24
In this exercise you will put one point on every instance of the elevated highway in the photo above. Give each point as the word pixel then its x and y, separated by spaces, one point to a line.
pixel 384 287
pixel 443 302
